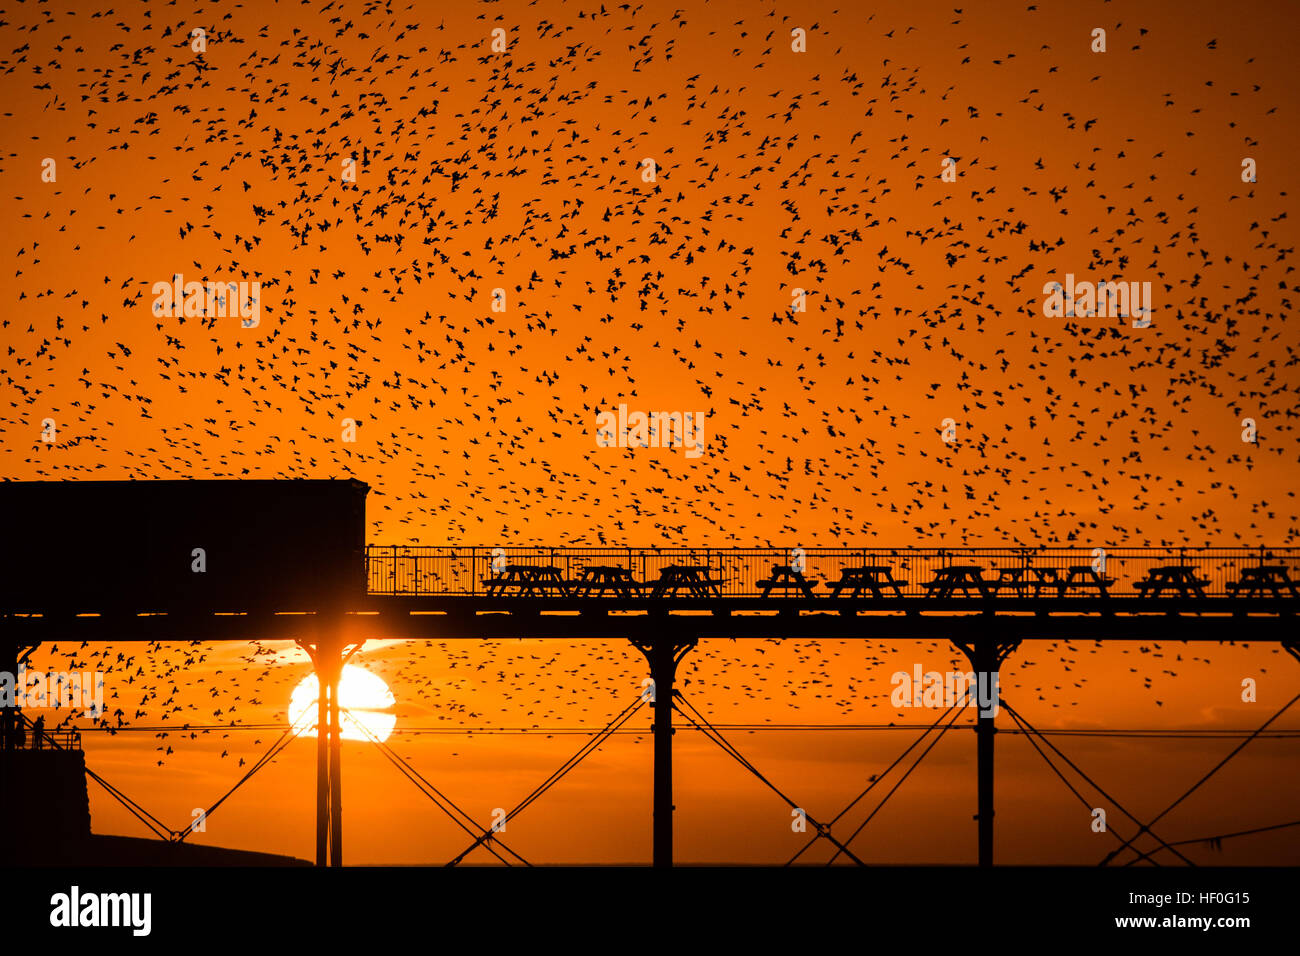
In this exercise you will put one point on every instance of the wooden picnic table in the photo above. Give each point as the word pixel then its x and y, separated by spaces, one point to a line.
pixel 875 578
pixel 599 579
pixel 954 578
pixel 1172 577
pixel 786 578
pixel 1020 579
pixel 958 576
pixel 527 579
pixel 697 579
pixel 1259 578
pixel 1086 577
pixel 1038 579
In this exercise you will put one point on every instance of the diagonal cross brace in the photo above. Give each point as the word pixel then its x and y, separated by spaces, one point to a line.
pixel 583 752
pixel 1030 731
pixel 823 830
pixel 1196 786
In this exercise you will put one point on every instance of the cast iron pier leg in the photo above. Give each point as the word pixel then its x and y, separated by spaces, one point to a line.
pixel 663 654
pixel 322 769
pixel 328 656
pixel 336 766
pixel 986 655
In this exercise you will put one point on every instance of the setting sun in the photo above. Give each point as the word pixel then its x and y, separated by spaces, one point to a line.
pixel 365 698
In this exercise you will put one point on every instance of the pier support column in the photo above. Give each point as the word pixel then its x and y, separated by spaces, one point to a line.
pixel 986 654
pixel 336 766
pixel 328 655
pixel 663 652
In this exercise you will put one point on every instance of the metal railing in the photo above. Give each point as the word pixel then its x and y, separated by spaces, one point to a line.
pixel 24 736
pixel 440 570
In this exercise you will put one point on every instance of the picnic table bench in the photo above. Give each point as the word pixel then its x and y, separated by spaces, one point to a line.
pixel 697 579
pixel 1023 578
pixel 963 577
pixel 1086 578
pixel 786 578
pixel 1264 577
pixel 1172 577
pixel 873 577
pixel 598 579
pixel 1082 577
pixel 527 580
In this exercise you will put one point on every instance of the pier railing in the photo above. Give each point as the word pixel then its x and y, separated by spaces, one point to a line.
pixel 24 735
pixel 440 570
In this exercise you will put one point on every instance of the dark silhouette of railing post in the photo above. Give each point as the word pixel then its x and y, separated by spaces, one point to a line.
pixel 986 654
pixel 663 652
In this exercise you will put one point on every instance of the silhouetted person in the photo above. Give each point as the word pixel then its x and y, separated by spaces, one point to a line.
pixel 38 733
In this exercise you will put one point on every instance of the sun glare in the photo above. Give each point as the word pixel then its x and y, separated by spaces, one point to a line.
pixel 368 701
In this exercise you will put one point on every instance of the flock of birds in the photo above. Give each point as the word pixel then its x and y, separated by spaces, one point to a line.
pixel 541 685
pixel 524 170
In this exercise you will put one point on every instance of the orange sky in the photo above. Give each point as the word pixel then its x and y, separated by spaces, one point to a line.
pixel 776 170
